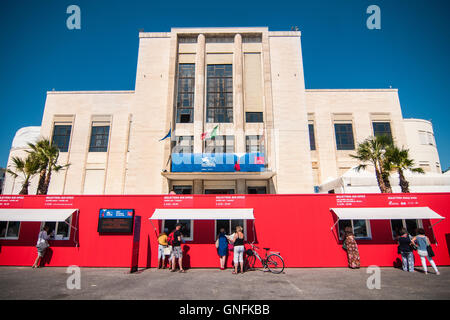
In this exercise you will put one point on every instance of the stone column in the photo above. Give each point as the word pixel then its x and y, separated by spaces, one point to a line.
pixel 238 95
pixel 199 94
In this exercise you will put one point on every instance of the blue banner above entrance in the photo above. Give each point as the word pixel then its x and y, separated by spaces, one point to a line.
pixel 218 162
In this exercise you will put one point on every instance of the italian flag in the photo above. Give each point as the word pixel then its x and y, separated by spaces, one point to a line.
pixel 211 135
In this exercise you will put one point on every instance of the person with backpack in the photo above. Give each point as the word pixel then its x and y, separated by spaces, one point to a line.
pixel 176 249
pixel 424 250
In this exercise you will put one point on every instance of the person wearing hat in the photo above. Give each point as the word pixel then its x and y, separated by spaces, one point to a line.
pixel 176 249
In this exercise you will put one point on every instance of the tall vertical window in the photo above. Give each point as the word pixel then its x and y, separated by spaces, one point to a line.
pixel 61 137
pixel 186 88
pixel 220 144
pixel 99 138
pixel 312 138
pixel 344 136
pixel 382 129
pixel 254 144
pixel 219 97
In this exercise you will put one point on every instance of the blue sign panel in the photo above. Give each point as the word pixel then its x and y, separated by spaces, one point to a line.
pixel 115 221
pixel 218 162
pixel 116 213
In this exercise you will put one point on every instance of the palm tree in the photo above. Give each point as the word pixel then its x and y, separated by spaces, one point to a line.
pixel 28 168
pixel 372 151
pixel 48 155
pixel 398 160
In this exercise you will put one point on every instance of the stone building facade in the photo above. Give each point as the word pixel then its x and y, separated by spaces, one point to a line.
pixel 238 91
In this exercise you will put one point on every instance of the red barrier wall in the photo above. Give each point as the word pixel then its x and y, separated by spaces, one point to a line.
pixel 296 225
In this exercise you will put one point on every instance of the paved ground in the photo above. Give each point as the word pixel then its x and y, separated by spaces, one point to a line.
pixel 211 284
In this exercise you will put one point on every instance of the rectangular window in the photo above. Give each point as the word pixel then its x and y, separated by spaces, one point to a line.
pixel 99 138
pixel 185 95
pixel 382 129
pixel 219 96
pixel 360 228
pixel 344 136
pixel 182 189
pixel 61 229
pixel 187 228
pixel 61 137
pixel 220 144
pixel 256 190
pixel 230 226
pixel 410 225
pixel 253 117
pixel 254 143
pixel 9 229
pixel 312 138
pixel 183 144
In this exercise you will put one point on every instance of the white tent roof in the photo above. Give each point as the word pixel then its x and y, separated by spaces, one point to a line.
pixel 24 136
pixel 365 178
pixel 202 214
pixel 386 213
pixel 38 215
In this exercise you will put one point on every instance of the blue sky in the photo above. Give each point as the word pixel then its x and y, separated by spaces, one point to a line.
pixel 411 51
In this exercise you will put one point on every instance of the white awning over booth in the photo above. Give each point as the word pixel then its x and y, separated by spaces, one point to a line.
pixel 202 214
pixel 385 213
pixel 37 215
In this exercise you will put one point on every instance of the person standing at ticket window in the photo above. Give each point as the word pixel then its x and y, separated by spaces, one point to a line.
pixel 42 245
pixel 162 247
pixel 176 249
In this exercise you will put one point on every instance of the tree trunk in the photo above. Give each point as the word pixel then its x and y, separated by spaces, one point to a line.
pixel 47 181
pixel 380 180
pixel 42 177
pixel 24 190
pixel 404 184
pixel 385 177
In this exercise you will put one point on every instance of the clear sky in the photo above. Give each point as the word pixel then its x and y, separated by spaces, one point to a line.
pixel 411 51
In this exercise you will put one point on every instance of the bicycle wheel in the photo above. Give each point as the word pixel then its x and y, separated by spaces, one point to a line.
pixel 249 263
pixel 275 263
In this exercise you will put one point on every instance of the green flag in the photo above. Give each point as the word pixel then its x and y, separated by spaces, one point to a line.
pixel 214 132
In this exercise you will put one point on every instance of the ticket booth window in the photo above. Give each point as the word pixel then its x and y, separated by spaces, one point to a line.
pixel 360 228
pixel 61 229
pixel 186 228
pixel 410 225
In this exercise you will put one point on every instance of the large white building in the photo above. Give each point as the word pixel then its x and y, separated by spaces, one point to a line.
pixel 243 85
